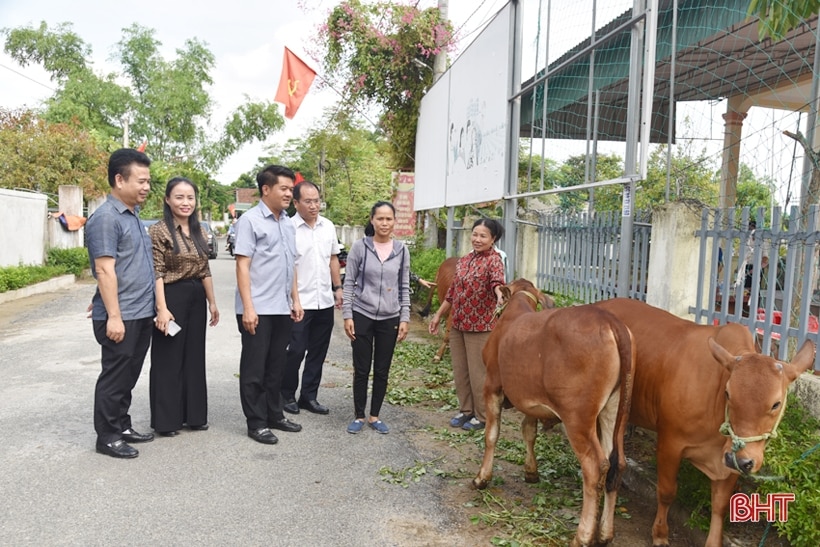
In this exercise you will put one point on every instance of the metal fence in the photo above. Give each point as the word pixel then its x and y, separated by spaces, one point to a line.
pixel 763 274
pixel 578 255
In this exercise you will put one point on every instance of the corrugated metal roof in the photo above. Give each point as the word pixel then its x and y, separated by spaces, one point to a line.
pixel 719 55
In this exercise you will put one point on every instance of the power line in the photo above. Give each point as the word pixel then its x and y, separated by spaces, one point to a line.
pixel 27 77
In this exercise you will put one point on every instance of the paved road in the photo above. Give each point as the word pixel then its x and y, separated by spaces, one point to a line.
pixel 317 487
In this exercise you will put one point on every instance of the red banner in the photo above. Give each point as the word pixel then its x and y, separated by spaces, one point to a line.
pixel 403 202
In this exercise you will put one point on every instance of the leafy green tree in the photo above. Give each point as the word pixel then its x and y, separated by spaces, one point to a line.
pixel 571 173
pixel 166 101
pixel 348 162
pixel 778 17
pixel 41 156
pixel 377 53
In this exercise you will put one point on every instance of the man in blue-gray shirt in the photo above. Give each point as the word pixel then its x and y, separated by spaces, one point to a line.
pixel 123 306
pixel 267 302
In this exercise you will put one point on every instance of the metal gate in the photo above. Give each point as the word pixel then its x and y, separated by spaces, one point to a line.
pixel 578 255
pixel 763 274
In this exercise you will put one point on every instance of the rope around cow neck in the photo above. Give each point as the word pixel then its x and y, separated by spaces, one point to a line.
pixel 739 443
pixel 502 307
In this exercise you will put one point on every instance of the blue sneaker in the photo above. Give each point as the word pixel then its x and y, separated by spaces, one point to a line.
pixel 473 425
pixel 380 426
pixel 460 419
pixel 355 426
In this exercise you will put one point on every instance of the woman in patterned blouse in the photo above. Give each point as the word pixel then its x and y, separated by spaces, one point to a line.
pixel 183 285
pixel 473 297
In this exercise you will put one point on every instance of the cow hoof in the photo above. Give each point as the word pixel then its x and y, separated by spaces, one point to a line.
pixel 436 359
pixel 532 477
pixel 480 484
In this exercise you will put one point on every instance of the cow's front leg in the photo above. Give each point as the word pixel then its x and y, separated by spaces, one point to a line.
pixel 529 428
pixel 721 494
pixel 493 399
pixel 669 459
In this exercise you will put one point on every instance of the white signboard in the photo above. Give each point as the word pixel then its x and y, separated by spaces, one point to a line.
pixel 475 133
pixel 431 146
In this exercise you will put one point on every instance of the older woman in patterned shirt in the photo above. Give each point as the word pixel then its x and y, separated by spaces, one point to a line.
pixel 183 286
pixel 473 297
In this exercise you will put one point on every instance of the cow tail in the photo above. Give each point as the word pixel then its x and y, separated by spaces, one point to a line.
pixel 626 353
pixel 425 311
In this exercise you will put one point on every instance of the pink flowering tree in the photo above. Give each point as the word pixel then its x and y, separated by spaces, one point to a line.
pixel 380 54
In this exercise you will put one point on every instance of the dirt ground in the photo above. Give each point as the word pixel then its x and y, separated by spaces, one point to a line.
pixel 637 495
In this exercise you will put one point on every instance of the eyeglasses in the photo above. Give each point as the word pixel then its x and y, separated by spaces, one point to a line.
pixel 310 201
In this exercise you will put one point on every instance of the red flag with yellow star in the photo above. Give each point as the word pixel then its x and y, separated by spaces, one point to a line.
pixel 294 83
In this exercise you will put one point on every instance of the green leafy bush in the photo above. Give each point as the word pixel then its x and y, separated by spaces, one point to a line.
pixel 17 277
pixel 425 262
pixel 58 262
pixel 71 260
pixel 794 458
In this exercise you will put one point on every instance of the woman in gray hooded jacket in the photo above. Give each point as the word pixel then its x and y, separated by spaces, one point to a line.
pixel 376 310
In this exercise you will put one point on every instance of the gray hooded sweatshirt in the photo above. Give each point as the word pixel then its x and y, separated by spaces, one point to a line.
pixel 376 289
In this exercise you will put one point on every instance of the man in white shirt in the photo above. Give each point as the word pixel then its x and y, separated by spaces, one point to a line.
pixel 320 289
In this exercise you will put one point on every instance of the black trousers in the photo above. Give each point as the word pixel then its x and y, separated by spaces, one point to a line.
pixel 179 394
pixel 311 335
pixel 121 368
pixel 374 345
pixel 261 366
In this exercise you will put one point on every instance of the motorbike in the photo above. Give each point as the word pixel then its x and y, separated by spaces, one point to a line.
pixel 342 261
pixel 231 241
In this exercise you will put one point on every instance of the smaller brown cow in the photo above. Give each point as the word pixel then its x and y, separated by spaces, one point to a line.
pixel 571 365
pixel 444 278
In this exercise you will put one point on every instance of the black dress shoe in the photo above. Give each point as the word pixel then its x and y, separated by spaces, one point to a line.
pixel 286 425
pixel 291 406
pixel 313 406
pixel 117 449
pixel 203 427
pixel 131 436
pixel 263 435
pixel 168 433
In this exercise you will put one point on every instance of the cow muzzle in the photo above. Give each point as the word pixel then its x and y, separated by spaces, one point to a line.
pixel 744 466
pixel 741 464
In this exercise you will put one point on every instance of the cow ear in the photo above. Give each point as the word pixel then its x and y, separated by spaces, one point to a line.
pixel 721 355
pixel 801 362
pixel 505 292
pixel 550 301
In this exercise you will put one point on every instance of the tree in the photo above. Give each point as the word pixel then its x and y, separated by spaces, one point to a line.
pixel 41 156
pixel 778 17
pixel 380 54
pixel 348 162
pixel 166 101
pixel 571 173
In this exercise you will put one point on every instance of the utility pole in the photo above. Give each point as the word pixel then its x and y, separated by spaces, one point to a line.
pixel 439 67
pixel 440 62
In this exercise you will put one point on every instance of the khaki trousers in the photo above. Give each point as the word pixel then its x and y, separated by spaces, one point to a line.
pixel 469 370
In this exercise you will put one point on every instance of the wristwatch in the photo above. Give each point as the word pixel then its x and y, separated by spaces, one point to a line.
pixel 337 287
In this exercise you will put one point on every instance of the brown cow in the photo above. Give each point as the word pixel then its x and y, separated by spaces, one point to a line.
pixel 572 365
pixel 694 381
pixel 444 278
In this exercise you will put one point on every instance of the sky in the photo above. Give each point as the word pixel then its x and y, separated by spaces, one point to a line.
pixel 247 38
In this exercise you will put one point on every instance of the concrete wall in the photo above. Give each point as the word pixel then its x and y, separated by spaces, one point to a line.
pixel 23 227
pixel 71 203
pixel 673 259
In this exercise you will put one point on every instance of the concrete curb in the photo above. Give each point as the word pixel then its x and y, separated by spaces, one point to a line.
pixel 51 285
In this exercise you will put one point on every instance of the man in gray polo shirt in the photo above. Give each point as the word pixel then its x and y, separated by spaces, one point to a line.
pixel 267 302
pixel 123 306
